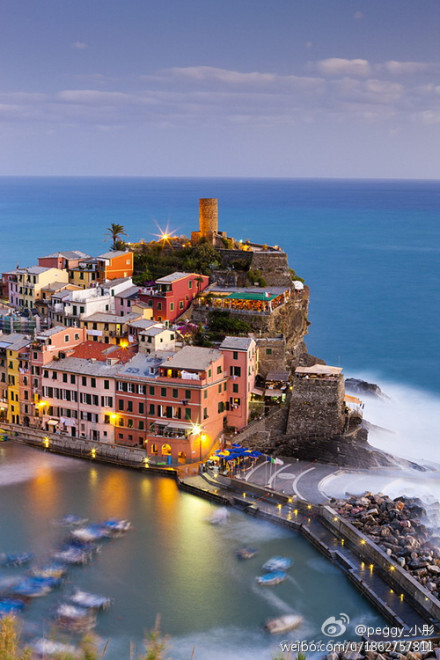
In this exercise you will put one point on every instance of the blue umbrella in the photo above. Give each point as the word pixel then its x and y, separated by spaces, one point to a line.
pixel 256 454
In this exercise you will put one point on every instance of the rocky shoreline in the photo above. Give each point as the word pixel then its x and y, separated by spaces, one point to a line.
pixel 396 526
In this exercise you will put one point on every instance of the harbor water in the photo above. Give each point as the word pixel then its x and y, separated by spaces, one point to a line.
pixel 172 563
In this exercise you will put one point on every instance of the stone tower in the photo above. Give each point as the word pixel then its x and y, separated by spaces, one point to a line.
pixel 208 217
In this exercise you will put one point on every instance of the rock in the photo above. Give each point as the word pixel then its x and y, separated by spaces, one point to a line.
pixel 433 569
pixel 363 387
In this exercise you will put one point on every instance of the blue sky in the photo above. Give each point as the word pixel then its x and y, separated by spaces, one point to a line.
pixel 287 88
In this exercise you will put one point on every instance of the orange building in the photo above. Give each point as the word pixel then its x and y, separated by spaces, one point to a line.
pixel 113 265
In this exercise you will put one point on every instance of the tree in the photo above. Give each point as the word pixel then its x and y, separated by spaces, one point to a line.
pixel 116 231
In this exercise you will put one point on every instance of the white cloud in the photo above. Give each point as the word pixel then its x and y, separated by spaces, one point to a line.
pixel 397 68
pixel 80 45
pixel 338 66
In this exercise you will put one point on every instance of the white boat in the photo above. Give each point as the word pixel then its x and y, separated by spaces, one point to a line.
pixel 72 617
pixel 220 516
pixel 116 526
pixel 270 579
pixel 283 623
pixel 45 648
pixel 90 601
pixel 277 564
pixel 91 533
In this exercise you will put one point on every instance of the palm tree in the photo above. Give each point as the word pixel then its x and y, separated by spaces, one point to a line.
pixel 116 231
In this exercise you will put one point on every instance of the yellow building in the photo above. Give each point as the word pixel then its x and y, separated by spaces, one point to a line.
pixel 25 284
pixel 85 274
pixel 110 328
pixel 17 362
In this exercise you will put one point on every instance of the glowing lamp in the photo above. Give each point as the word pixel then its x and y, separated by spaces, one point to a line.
pixel 46 442
pixel 93 453
pixel 196 428
pixel 123 343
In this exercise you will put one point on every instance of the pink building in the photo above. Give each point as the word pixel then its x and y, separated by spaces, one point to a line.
pixel 125 299
pixel 240 356
pixel 173 294
pixel 63 260
pixel 78 398
pixel 175 407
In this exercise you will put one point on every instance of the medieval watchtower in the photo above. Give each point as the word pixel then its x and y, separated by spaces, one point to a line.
pixel 208 216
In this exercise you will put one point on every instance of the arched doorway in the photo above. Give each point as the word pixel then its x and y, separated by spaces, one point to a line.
pixel 181 457
pixel 166 450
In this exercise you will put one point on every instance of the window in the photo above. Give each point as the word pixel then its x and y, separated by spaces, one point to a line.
pixel 93 382
pixel 180 304
pixel 76 336
pixel 188 413
pixel 151 409
pixel 130 423
pixel 220 389
pixel 175 393
pixel 130 387
pixel 205 394
pixel 235 371
pixel 163 391
pixel 46 373
pixel 142 389
pixel 235 355
pixel 169 412
pixel 106 384
pixel 235 387
pixel 141 409
pixel 151 390
pixel 129 406
pixel 64 378
pixel 220 407
pixel 66 338
pixel 141 426
pixel 268 351
pixel 209 373
pixel 106 419
pixel 72 379
pixel 190 284
pixel 121 404
pixel 83 381
pixel 188 394
pixel 171 307
pixel 159 306
pixel 219 369
pixel 205 413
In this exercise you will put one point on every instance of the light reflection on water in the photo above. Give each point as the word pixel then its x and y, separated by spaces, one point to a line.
pixel 172 563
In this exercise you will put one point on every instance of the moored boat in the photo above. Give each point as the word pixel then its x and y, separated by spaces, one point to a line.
pixel 284 623
pixel 220 516
pixel 278 564
pixel 32 588
pixel 45 648
pixel 91 533
pixel 53 570
pixel 10 606
pixel 74 618
pixel 272 578
pixel 14 560
pixel 90 601
pixel 116 526
pixel 72 555
pixel 246 553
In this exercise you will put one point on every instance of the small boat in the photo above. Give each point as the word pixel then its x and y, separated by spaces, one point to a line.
pixel 246 552
pixel 14 560
pixel 277 564
pixel 53 570
pixel 72 555
pixel 10 606
pixel 284 623
pixel 270 579
pixel 90 601
pixel 31 588
pixel 74 618
pixel 220 516
pixel 116 526
pixel 91 533
pixel 70 519
pixel 45 648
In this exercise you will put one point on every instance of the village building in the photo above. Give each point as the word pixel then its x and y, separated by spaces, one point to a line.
pixel 172 295
pixel 63 260
pixel 25 284
pixel 114 265
pixel 241 365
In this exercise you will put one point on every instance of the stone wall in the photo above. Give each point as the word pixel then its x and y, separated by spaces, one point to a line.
pixel 273 266
pixel 271 354
pixel 317 407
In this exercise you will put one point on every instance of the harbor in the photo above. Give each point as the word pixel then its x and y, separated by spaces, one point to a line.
pixel 172 546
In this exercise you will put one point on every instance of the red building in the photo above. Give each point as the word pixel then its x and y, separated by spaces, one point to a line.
pixel 173 294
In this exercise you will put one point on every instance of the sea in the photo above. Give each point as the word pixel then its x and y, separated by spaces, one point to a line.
pixel 368 250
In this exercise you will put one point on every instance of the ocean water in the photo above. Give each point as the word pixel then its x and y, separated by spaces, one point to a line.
pixel 368 249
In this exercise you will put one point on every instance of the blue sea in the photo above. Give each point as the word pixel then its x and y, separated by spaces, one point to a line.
pixel 369 250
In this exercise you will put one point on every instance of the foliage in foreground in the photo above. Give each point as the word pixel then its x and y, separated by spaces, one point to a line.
pixel 155 646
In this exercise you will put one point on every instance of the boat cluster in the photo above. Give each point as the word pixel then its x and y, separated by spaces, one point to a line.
pixel 77 613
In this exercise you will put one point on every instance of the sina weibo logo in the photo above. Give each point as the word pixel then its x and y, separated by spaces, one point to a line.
pixel 333 627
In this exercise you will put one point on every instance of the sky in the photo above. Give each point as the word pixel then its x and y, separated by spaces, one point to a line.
pixel 228 88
